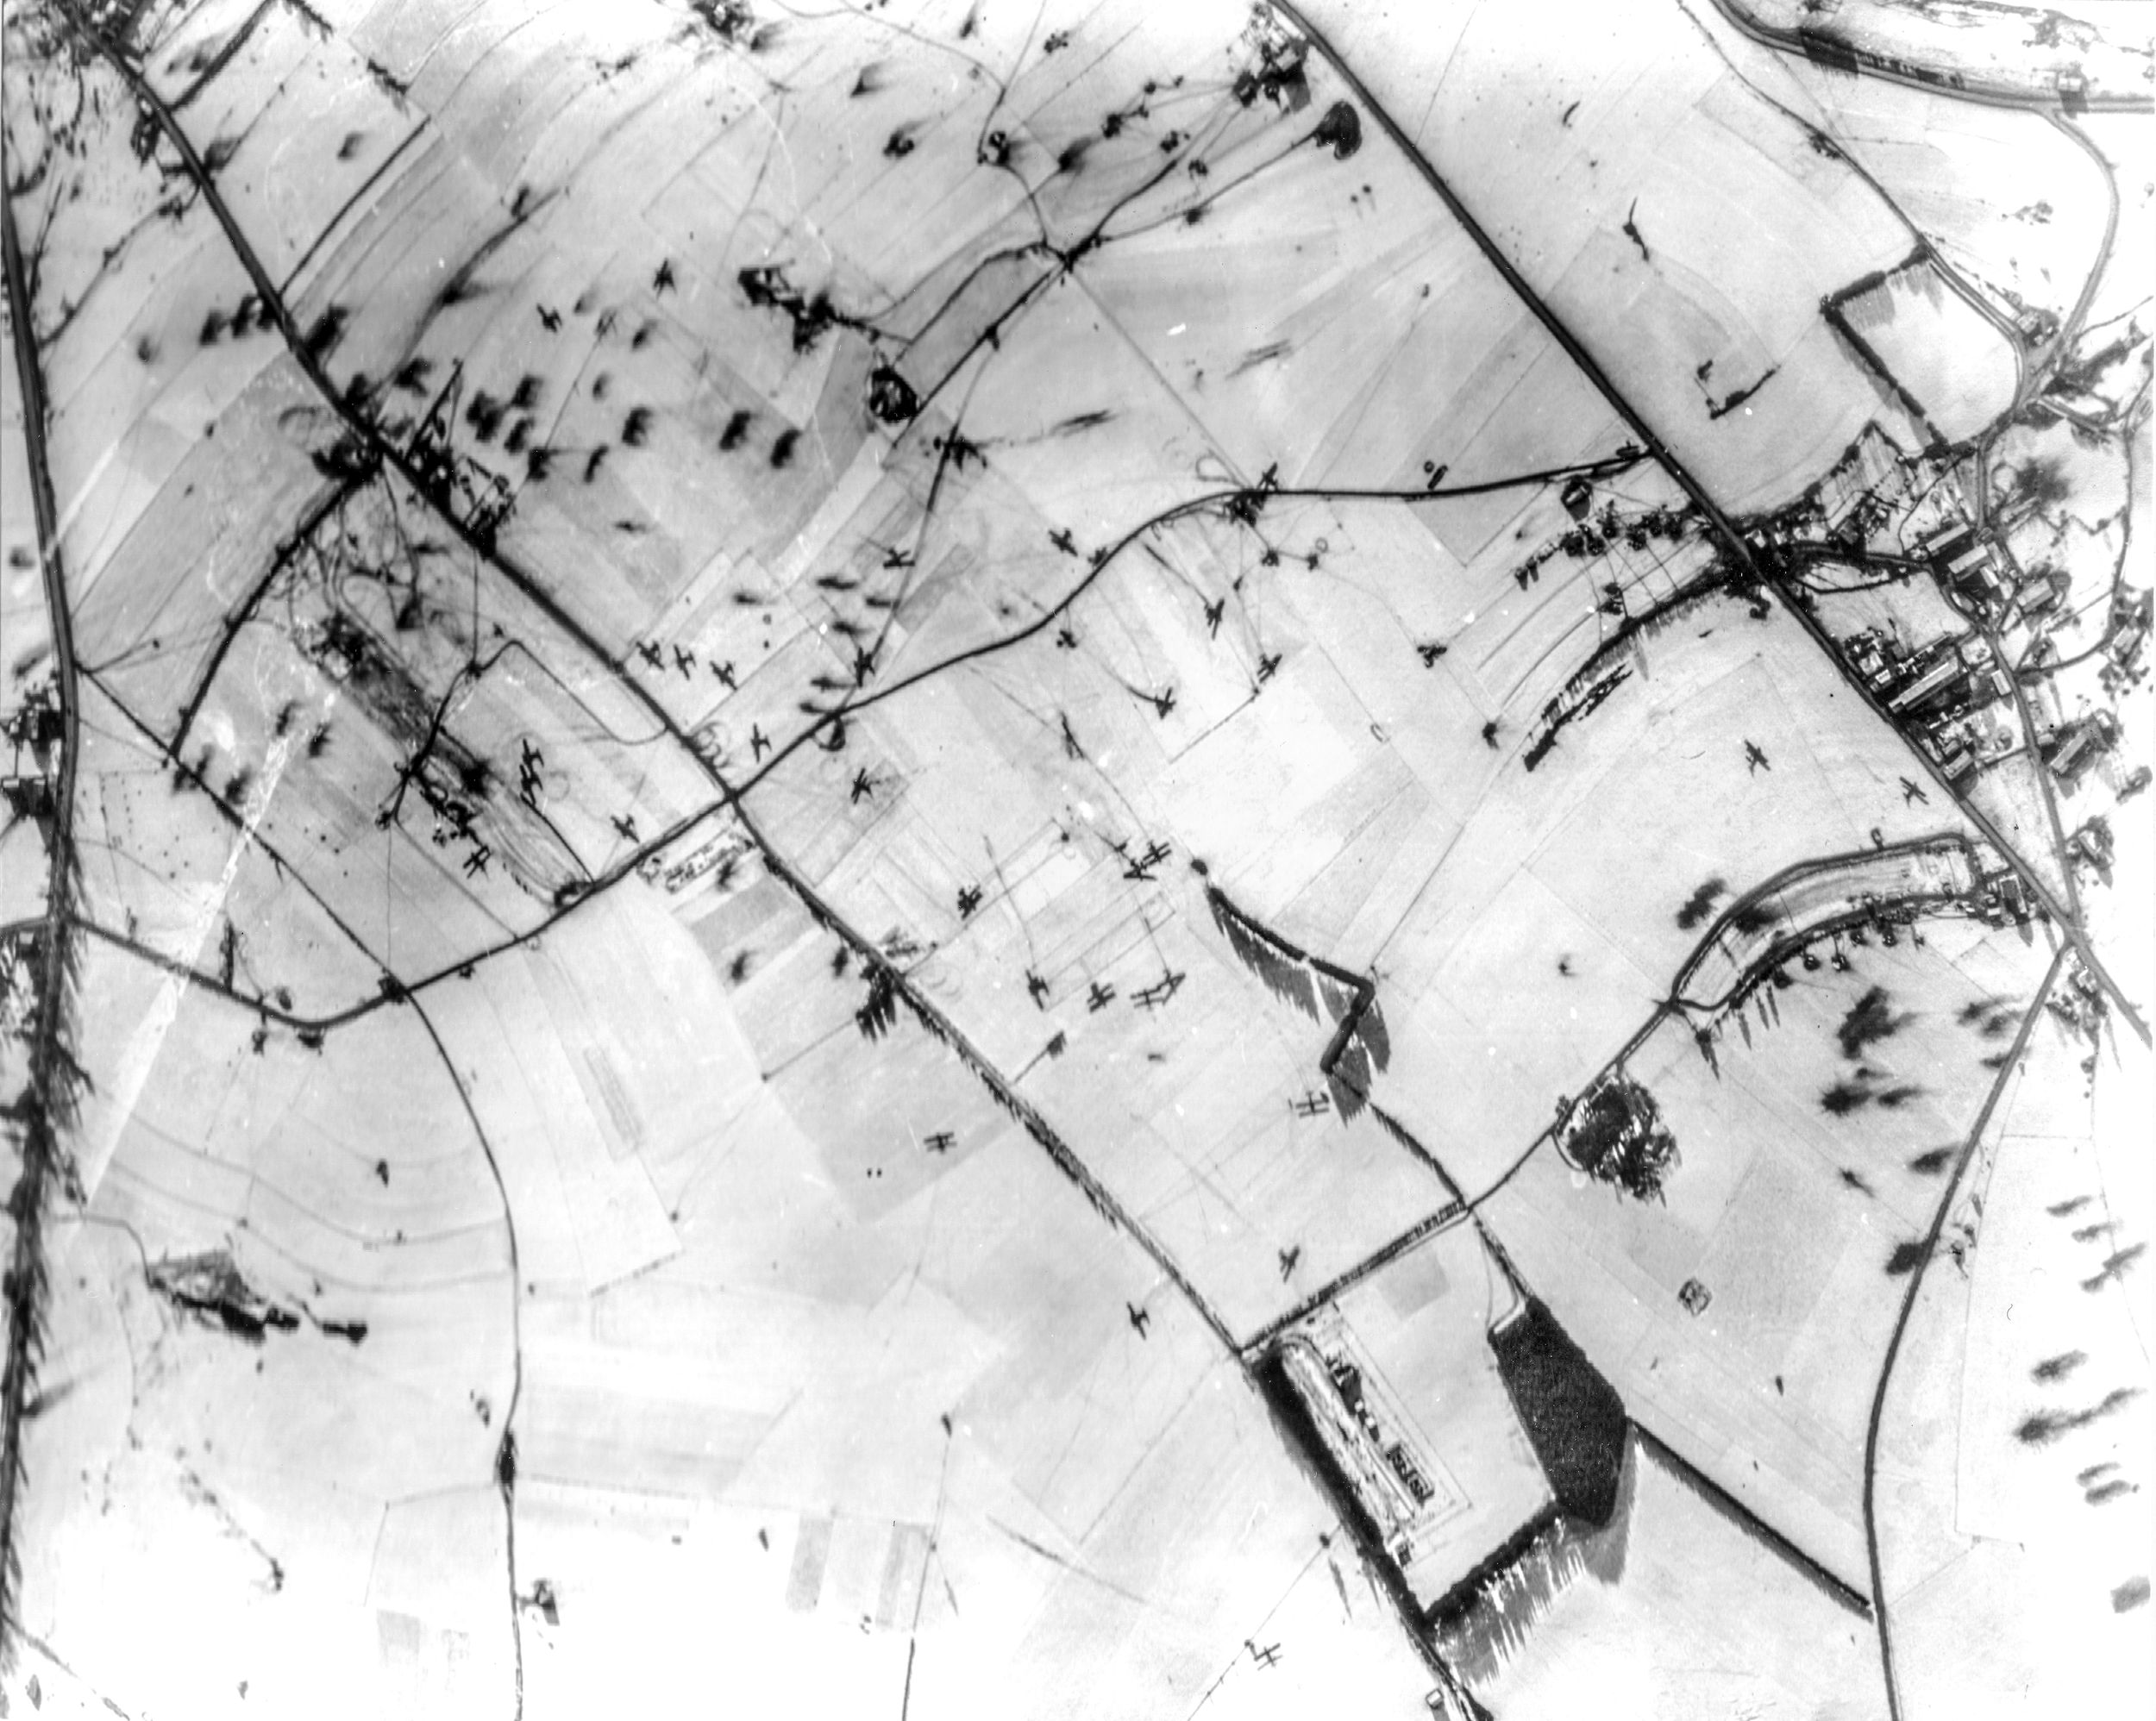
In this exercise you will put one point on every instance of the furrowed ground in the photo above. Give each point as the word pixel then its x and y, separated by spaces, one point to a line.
pixel 895 829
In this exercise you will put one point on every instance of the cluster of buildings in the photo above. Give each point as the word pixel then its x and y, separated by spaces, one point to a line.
pixel 1971 570
pixel 1372 1447
pixel 2080 1005
pixel 2035 325
pixel 2093 846
pixel 39 726
pixel 721 855
pixel 1939 691
pixel 1945 691
pixel 2071 747
pixel 2131 614
pixel 2001 899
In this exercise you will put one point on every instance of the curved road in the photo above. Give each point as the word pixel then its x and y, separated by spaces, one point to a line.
pixel 1872 65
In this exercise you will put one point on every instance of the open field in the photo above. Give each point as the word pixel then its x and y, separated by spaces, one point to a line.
pixel 1931 344
pixel 1709 320
pixel 690 1334
pixel 1649 1625
pixel 1809 1156
pixel 2009 199
pixel 2121 145
pixel 1057 906
pixel 2085 539
pixel 1851 601
pixel 2011 793
pixel 294 1509
pixel 861 809
pixel 1537 941
pixel 2009 1524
